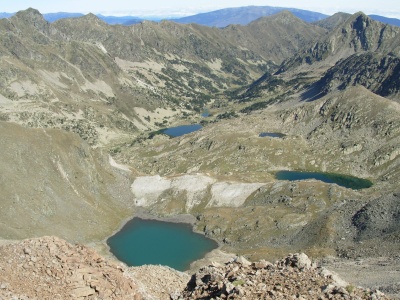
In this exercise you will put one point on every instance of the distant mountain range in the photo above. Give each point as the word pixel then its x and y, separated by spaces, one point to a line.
pixel 112 20
pixel 390 21
pixel 218 18
pixel 52 17
pixel 245 15
pixel 5 15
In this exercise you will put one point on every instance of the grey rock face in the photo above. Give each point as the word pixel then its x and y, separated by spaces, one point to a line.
pixel 380 74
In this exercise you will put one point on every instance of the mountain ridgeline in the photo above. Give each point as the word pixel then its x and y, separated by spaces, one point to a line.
pixel 146 66
pixel 356 51
pixel 218 18
pixel 357 34
pixel 246 15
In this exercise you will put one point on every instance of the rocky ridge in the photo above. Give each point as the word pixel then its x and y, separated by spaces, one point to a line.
pixel 294 277
pixel 331 22
pixel 376 72
pixel 281 39
pixel 50 268
pixel 356 51
pixel 357 34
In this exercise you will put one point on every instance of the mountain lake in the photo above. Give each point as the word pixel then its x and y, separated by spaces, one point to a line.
pixel 181 130
pixel 346 181
pixel 142 242
pixel 271 134
pixel 205 113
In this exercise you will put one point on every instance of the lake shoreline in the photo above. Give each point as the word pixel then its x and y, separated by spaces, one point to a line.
pixel 343 180
pixel 143 214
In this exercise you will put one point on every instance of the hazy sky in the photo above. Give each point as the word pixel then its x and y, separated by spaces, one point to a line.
pixel 389 8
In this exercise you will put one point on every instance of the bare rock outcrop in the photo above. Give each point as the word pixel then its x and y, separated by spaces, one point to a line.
pixel 51 268
pixel 158 282
pixel 378 73
pixel 294 277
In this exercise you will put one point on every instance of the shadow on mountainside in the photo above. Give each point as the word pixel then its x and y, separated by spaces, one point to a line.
pixel 312 93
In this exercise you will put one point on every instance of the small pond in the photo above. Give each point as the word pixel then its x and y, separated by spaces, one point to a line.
pixel 346 181
pixel 205 113
pixel 181 130
pixel 142 242
pixel 271 134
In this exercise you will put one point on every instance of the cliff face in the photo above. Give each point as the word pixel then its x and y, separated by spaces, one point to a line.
pixel 374 71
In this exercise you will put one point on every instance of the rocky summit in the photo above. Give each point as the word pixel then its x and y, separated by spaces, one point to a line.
pixel 84 106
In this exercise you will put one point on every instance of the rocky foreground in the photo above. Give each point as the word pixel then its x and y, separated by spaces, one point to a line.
pixel 294 277
pixel 51 268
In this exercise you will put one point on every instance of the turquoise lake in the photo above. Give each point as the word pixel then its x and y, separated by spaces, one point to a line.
pixel 181 130
pixel 346 181
pixel 142 242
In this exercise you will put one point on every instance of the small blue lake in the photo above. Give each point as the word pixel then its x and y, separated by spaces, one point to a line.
pixel 346 181
pixel 142 242
pixel 271 134
pixel 205 113
pixel 181 130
